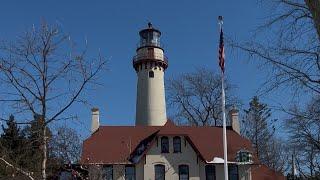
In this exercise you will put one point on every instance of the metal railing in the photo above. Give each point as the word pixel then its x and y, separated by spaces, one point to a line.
pixel 147 56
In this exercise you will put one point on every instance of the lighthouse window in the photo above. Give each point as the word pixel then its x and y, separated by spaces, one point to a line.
pixel 151 74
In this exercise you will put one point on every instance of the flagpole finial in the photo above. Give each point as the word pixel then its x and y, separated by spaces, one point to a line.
pixel 220 19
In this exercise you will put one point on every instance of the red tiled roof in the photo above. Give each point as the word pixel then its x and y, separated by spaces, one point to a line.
pixel 115 144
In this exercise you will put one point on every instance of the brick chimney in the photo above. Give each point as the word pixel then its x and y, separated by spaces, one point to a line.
pixel 234 118
pixel 94 120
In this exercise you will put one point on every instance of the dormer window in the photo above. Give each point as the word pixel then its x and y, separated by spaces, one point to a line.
pixel 164 144
pixel 177 144
pixel 244 156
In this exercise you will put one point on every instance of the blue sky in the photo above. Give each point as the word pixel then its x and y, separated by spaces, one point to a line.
pixel 189 34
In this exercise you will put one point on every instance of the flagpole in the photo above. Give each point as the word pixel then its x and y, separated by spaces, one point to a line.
pixel 225 150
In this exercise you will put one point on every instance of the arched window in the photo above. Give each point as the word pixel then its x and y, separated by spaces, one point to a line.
pixel 183 172
pixel 165 144
pixel 210 172
pixel 159 171
pixel 176 144
pixel 151 74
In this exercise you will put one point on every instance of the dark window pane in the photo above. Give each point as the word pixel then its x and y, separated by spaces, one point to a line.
pixel 130 173
pixel 210 172
pixel 164 145
pixel 108 172
pixel 176 144
pixel 159 172
pixel 183 172
pixel 151 74
pixel 244 156
pixel 233 172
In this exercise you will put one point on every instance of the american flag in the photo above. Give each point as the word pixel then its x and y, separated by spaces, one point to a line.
pixel 221 52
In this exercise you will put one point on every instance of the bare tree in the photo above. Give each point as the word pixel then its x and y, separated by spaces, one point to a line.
pixel 43 74
pixel 292 54
pixel 303 126
pixel 277 155
pixel 289 51
pixel 307 160
pixel 197 97
pixel 314 8
pixel 66 145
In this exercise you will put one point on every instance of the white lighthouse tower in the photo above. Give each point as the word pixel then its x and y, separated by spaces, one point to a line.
pixel 150 65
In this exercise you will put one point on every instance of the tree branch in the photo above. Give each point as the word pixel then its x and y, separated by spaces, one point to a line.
pixel 27 174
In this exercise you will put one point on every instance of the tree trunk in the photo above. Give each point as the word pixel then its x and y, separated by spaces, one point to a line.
pixel 314 8
pixel 44 151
